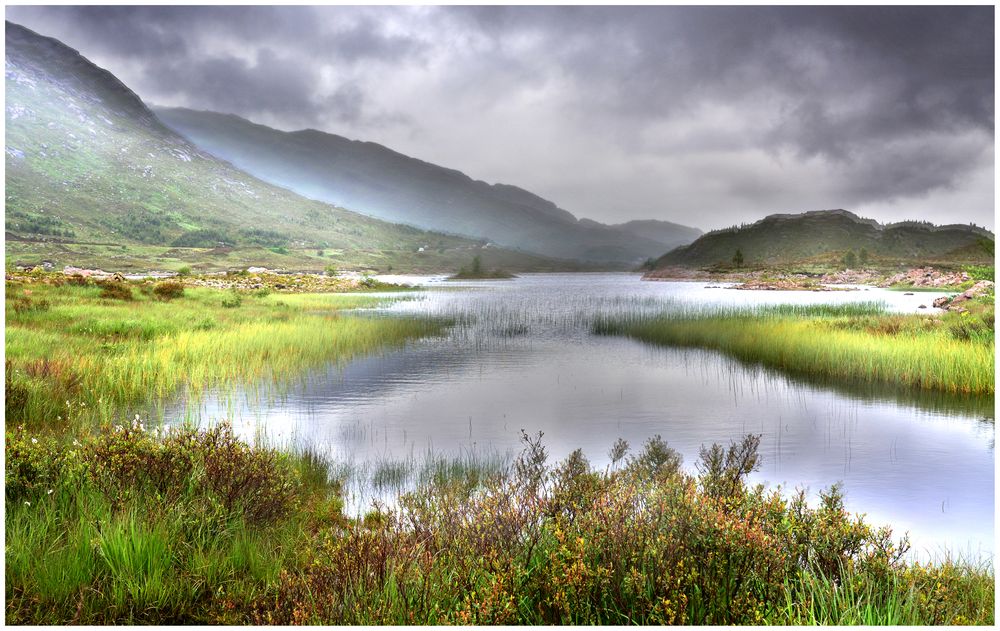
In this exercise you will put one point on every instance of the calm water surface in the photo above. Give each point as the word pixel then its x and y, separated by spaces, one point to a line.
pixel 521 356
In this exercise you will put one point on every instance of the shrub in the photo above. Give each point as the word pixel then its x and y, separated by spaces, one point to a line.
pixel 27 304
pixel 184 271
pixel 36 466
pixel 127 460
pixel 233 300
pixel 657 459
pixel 723 471
pixel 115 290
pixel 255 482
pixel 168 290
pixel 78 279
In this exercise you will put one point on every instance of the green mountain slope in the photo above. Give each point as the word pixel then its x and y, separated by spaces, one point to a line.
pixel 93 178
pixel 826 235
pixel 383 183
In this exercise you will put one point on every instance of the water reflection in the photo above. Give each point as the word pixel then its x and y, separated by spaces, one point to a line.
pixel 521 356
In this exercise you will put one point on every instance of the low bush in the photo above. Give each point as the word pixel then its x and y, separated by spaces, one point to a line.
pixel 141 526
pixel 233 300
pixel 116 290
pixel 26 304
pixel 168 290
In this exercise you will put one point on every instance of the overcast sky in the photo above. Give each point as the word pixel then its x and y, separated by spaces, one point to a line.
pixel 704 116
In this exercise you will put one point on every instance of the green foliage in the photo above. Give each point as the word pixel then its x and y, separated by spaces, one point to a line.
pixel 738 258
pixel 233 300
pixel 980 272
pixel 266 238
pixel 476 271
pixel 84 358
pixel 853 343
pixel 147 525
pixel 168 290
pixel 850 259
pixel 116 290
pixel 203 238
pixel 569 545
pixel 657 459
pixel 177 525
pixel 184 270
pixel 863 257
pixel 722 471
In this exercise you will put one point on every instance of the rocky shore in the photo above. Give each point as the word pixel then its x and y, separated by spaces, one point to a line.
pixel 252 279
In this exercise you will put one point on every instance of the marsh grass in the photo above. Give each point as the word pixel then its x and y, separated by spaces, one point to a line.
pixel 87 358
pixel 853 343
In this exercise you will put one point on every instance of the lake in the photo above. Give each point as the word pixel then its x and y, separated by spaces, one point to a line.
pixel 521 356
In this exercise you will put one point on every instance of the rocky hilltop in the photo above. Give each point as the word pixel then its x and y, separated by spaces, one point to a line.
pixel 828 235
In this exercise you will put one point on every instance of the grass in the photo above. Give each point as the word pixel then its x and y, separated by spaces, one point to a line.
pixel 952 352
pixel 136 526
pixel 111 522
pixel 73 356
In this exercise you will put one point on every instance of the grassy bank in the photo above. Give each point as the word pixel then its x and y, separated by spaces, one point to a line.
pixel 83 352
pixel 115 521
pixel 952 352
pixel 137 526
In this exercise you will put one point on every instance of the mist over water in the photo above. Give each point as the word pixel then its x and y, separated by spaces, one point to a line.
pixel 521 355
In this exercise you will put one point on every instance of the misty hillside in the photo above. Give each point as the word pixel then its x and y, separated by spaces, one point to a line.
pixel 92 176
pixel 785 238
pixel 375 180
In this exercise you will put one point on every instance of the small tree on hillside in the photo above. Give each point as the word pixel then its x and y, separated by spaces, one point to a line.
pixel 477 266
pixel 850 260
pixel 738 258
pixel 863 257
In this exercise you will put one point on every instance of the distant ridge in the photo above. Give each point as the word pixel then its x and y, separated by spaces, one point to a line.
pixel 92 175
pixel 783 238
pixel 383 183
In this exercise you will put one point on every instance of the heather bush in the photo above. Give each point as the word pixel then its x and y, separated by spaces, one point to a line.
pixel 168 290
pixel 115 290
pixel 143 525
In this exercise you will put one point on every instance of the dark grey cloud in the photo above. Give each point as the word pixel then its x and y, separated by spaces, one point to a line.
pixel 705 115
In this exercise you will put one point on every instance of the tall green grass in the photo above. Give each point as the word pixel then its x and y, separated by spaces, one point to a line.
pixel 854 343
pixel 78 356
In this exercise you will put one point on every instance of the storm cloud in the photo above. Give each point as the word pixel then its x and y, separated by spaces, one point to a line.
pixel 707 116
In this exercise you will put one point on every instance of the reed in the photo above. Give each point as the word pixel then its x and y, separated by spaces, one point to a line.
pixel 83 358
pixel 853 343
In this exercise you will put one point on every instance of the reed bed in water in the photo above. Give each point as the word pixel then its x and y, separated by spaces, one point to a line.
pixel 858 342
pixel 73 354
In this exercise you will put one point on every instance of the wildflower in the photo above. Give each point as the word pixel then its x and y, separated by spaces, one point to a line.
pixel 27 503
pixel 50 492
pixel 34 441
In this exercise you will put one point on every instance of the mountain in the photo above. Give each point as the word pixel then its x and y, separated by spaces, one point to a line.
pixel 670 234
pixel 94 178
pixel 383 183
pixel 828 234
